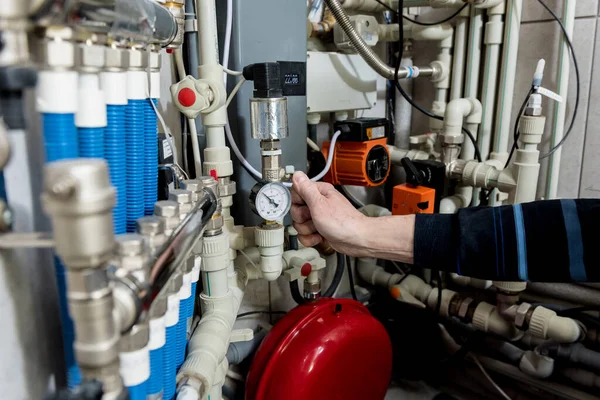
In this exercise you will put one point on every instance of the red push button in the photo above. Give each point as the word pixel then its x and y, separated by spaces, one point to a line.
pixel 306 269
pixel 186 97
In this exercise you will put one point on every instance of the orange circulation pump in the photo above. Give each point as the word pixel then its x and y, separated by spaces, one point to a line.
pixel 361 156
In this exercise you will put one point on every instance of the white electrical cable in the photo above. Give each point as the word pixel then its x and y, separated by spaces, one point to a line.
pixel 232 72
pixel 489 378
pixel 178 55
pixel 227 42
pixel 312 144
pixel 234 91
pixel 334 139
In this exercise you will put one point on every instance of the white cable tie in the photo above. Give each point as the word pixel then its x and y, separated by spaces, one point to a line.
pixel 550 94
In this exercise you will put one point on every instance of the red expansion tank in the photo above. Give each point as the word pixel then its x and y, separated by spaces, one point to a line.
pixel 327 350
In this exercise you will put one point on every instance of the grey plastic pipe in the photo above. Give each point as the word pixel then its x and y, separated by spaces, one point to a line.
pixel 239 351
pixel 576 353
pixel 434 70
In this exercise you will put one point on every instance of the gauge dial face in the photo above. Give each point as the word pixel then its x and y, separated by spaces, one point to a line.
pixel 273 201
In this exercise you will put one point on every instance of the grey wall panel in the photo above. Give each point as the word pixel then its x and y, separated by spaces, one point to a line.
pixel 264 30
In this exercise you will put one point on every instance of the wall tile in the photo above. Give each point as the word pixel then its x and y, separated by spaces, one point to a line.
pixel 530 50
pixel 590 178
pixel 533 10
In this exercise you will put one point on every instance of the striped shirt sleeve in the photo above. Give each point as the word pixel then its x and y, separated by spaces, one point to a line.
pixel 543 241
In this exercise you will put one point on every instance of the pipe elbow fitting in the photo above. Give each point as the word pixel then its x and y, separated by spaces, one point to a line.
pixel 545 324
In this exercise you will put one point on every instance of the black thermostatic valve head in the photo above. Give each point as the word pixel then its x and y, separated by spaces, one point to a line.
pixel 277 79
pixel 362 129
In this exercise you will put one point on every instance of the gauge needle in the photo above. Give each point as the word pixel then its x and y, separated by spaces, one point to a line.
pixel 271 200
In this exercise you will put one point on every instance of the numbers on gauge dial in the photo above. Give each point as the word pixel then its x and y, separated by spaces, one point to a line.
pixel 273 201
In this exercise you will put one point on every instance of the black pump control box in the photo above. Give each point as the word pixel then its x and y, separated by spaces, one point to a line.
pixel 362 129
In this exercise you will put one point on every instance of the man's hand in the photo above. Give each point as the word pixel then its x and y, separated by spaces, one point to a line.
pixel 320 212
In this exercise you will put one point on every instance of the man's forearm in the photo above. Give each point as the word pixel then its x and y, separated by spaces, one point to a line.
pixel 390 238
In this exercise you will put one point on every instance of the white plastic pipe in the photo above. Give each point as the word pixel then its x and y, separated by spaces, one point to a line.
pixel 370 272
pixel 458 62
pixel 560 109
pixel 493 41
pixel 507 78
pixel 403 110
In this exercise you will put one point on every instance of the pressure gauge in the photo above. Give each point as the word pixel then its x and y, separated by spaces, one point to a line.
pixel 271 201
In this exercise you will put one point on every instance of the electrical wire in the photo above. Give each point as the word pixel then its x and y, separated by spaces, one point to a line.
pixel 351 278
pixel 232 72
pixel 516 132
pixel 248 313
pixel 577 78
pixel 438 305
pixel 489 378
pixel 409 99
pixel 312 144
pixel 424 23
pixel 234 91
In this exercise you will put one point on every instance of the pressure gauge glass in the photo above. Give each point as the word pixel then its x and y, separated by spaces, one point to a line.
pixel 272 201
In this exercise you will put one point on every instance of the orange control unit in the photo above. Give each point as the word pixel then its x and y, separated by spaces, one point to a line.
pixel 361 156
pixel 408 199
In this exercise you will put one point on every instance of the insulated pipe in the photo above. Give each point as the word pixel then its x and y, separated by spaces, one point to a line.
pixel 434 69
pixel 137 89
pixel 510 51
pixel 574 353
pixel 61 142
pixel 560 109
pixel 575 294
pixel 151 134
pixel 113 81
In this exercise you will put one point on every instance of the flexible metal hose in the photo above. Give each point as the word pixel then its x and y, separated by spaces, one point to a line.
pixel 368 54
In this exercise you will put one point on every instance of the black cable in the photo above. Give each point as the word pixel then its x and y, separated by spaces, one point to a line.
pixel 410 100
pixel 245 314
pixel 337 277
pixel 437 22
pixel 438 305
pixel 516 133
pixel 576 310
pixel 295 291
pixel 351 278
pixel 423 23
pixel 572 51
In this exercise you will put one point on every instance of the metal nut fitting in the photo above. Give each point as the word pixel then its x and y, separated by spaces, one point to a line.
pixel 159 306
pixel 226 187
pixel 137 59
pixel 184 199
pixel 210 183
pixel 89 281
pixel 175 283
pixel 312 291
pixel 150 226
pixel 130 244
pixel 463 310
pixel 115 59
pixel 168 211
pixel 195 187
pixel 136 339
pixel 521 315
pixel 453 139
pixel 89 57
pixel 155 60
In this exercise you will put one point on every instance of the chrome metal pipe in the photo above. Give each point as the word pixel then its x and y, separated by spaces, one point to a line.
pixel 140 21
pixel 175 252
